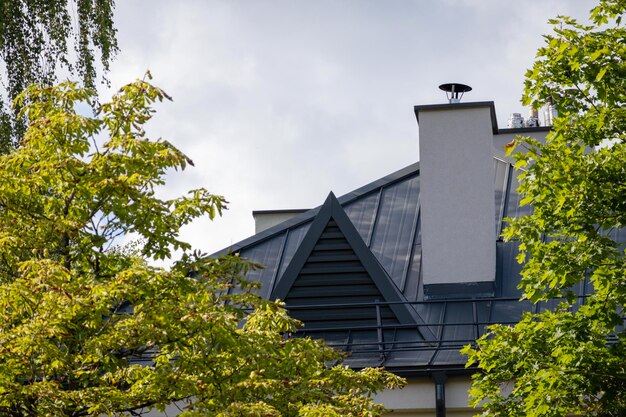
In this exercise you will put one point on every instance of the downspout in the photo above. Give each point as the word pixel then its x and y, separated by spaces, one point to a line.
pixel 440 394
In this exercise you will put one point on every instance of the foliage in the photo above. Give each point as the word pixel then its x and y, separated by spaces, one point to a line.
pixel 35 41
pixel 89 329
pixel 570 360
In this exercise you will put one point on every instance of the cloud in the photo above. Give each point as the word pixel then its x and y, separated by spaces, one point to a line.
pixel 279 102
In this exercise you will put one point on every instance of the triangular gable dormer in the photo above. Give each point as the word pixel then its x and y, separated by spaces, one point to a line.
pixel 333 266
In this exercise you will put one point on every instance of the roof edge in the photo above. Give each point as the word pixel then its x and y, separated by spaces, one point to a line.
pixel 280 211
pixel 524 129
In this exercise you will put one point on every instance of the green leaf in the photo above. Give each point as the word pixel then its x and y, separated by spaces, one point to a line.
pixel 567 360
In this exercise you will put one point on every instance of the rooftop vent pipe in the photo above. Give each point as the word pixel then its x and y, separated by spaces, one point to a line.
pixel 533 118
pixel 515 121
pixel 549 114
pixel 455 91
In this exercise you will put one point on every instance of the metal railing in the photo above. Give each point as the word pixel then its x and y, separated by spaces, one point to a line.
pixel 443 333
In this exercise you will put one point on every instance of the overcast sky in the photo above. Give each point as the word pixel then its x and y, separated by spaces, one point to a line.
pixel 280 102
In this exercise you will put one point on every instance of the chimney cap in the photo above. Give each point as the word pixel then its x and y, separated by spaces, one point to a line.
pixel 454 89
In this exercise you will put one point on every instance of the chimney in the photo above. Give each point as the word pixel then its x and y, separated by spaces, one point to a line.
pixel 265 219
pixel 457 197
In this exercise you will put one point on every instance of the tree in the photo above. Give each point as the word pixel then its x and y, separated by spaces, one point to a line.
pixel 35 41
pixel 569 361
pixel 88 328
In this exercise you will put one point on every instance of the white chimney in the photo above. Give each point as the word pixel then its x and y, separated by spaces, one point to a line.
pixel 457 198
pixel 265 219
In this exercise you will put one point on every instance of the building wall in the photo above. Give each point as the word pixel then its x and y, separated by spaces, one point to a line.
pixel 417 399
pixel 504 137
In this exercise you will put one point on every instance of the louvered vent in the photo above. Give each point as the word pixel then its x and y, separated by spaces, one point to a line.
pixel 333 274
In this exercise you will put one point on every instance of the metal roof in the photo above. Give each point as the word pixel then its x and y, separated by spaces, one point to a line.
pixel 388 322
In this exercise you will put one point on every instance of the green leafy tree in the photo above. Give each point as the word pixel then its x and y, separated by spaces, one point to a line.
pixel 570 360
pixel 88 329
pixel 37 38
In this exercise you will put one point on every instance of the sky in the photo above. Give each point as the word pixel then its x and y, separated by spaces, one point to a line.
pixel 280 102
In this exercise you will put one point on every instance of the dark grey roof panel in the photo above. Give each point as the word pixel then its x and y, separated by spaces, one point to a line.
pixel 450 356
pixel 407 350
pixel 294 238
pixel 501 182
pixel 413 290
pixel 513 208
pixel 433 315
pixel 392 243
pixel 364 348
pixel 266 254
pixel 459 324
pixel 483 310
pixel 507 270
pixel 509 311
pixel 362 213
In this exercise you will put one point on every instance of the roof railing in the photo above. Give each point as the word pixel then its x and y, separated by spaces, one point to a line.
pixel 451 334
